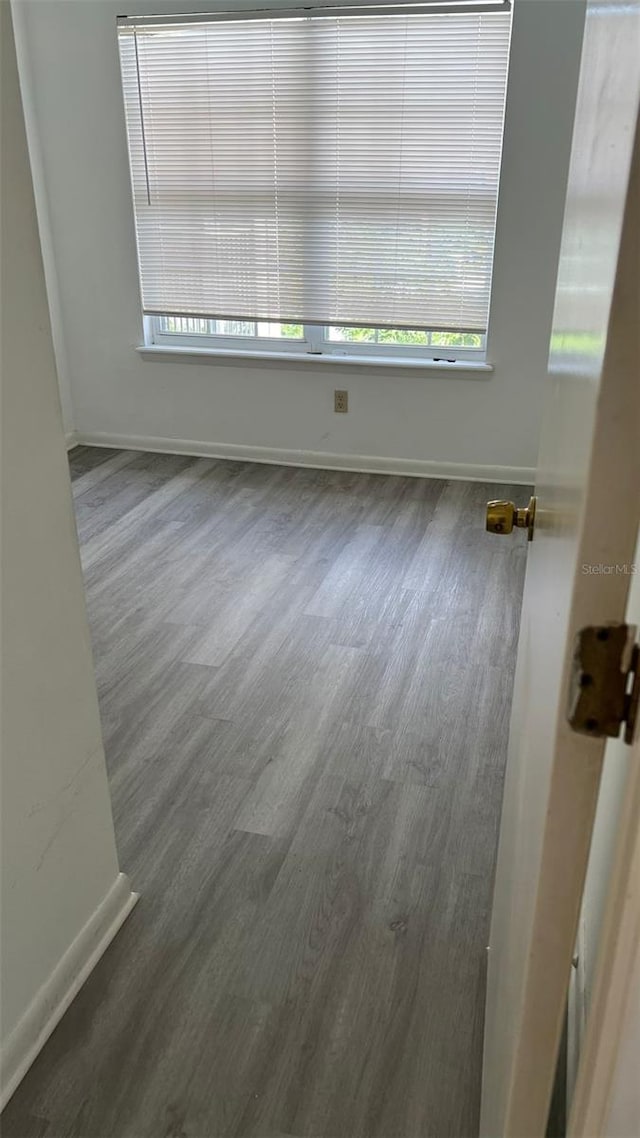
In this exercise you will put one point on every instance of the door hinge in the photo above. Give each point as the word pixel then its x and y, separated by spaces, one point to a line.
pixel 605 681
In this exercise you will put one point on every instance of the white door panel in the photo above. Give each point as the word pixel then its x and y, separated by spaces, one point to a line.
pixel 588 489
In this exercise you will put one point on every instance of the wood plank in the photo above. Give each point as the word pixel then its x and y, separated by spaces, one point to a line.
pixel 304 680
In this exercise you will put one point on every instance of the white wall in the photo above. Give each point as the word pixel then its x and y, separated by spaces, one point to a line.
pixel 62 895
pixel 42 209
pixel 71 70
pixel 623 1113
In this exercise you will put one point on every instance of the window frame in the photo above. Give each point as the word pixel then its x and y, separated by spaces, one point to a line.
pixel 314 342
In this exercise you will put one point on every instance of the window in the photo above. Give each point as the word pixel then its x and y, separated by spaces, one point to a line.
pixel 262 336
pixel 318 183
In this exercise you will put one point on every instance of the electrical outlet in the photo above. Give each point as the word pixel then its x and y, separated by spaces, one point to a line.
pixel 341 402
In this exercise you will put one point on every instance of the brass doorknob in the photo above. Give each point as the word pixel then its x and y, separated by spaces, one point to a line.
pixel 503 516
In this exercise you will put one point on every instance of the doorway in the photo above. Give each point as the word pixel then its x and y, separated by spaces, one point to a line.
pixel 305 682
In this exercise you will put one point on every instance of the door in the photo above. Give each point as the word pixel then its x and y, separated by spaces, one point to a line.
pixel 606 1098
pixel 588 491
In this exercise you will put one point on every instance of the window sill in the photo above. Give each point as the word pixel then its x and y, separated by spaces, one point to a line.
pixel 157 352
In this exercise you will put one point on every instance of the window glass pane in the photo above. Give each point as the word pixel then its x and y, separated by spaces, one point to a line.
pixel 281 331
pixel 406 337
pixel 234 327
pixel 187 325
pixel 457 339
pixel 353 335
pixel 197 326
pixel 403 336
pixel 385 338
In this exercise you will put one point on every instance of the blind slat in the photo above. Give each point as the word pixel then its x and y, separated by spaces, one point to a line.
pixel 323 170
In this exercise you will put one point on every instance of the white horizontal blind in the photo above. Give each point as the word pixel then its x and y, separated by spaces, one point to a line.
pixel 332 170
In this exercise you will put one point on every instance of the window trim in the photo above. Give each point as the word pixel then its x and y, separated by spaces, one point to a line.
pixel 155 353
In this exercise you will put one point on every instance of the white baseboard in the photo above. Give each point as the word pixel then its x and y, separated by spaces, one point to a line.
pixel 71 439
pixel 52 1000
pixel 322 460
